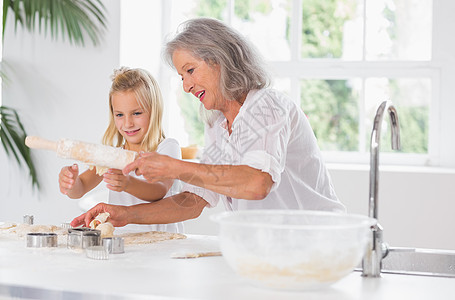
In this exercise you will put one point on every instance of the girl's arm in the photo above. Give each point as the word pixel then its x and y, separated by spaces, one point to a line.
pixel 149 191
pixel 74 185
pixel 141 189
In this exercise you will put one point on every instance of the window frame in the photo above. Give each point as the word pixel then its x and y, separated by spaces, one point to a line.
pixel 297 69
pixel 439 69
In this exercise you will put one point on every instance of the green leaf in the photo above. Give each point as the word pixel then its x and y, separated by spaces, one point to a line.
pixel 12 136
pixel 73 19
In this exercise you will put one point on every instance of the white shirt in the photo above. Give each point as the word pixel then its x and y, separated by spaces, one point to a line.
pixel 272 134
pixel 168 147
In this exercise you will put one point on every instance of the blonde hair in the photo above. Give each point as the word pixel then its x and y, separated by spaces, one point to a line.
pixel 148 95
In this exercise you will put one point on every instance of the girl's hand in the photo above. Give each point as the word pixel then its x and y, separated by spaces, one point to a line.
pixel 67 178
pixel 116 181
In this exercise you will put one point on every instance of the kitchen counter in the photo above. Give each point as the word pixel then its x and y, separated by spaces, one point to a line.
pixel 149 272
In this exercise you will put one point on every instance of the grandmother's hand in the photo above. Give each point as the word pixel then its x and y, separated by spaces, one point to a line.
pixel 118 215
pixel 153 166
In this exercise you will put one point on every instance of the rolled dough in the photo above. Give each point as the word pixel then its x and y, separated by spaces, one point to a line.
pixel 150 237
pixel 100 223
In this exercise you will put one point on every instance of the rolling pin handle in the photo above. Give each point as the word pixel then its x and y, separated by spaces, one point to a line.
pixel 40 143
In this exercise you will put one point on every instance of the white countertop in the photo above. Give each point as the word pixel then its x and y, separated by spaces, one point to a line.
pixel 148 272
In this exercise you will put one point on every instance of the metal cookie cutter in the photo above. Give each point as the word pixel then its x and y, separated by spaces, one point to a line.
pixel 66 225
pixel 28 219
pixel 97 252
pixel 40 240
pixel 114 245
pixel 83 237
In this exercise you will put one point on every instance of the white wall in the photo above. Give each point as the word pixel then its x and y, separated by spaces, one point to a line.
pixel 416 205
pixel 61 91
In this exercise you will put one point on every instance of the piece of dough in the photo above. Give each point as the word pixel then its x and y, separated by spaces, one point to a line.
pixel 100 223
pixel 107 229
pixel 99 170
pixel 99 219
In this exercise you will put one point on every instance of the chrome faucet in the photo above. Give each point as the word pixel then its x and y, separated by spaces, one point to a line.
pixel 377 249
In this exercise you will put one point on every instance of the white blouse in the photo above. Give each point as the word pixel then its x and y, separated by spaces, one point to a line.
pixel 168 147
pixel 272 134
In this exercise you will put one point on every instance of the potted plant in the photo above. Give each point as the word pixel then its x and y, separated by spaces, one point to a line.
pixel 72 19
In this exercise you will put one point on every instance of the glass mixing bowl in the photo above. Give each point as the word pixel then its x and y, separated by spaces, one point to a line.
pixel 293 249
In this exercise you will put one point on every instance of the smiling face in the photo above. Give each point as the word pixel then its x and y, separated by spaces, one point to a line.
pixel 131 120
pixel 199 78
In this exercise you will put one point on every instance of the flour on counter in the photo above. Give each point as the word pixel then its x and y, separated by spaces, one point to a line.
pixel 19 231
pixel 7 225
pixel 150 237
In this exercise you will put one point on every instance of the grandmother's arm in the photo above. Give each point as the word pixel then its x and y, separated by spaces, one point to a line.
pixel 177 208
pixel 239 181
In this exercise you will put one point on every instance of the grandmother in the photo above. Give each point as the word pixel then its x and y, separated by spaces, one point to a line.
pixel 260 151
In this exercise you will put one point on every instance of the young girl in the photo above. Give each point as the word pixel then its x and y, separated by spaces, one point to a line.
pixel 136 109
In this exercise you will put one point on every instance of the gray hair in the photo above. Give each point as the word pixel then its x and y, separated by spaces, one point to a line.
pixel 241 67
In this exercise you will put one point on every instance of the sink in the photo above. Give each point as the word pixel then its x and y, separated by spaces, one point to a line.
pixel 415 261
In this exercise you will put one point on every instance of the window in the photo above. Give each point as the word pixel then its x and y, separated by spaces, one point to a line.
pixel 338 59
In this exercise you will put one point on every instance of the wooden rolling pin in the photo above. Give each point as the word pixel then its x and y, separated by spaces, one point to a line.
pixel 92 154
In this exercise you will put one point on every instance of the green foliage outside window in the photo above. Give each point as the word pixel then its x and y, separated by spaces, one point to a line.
pixel 329 104
pixel 332 106
pixel 211 8
pixel 243 9
pixel 414 133
pixel 332 111
pixel 322 27
pixel 189 107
